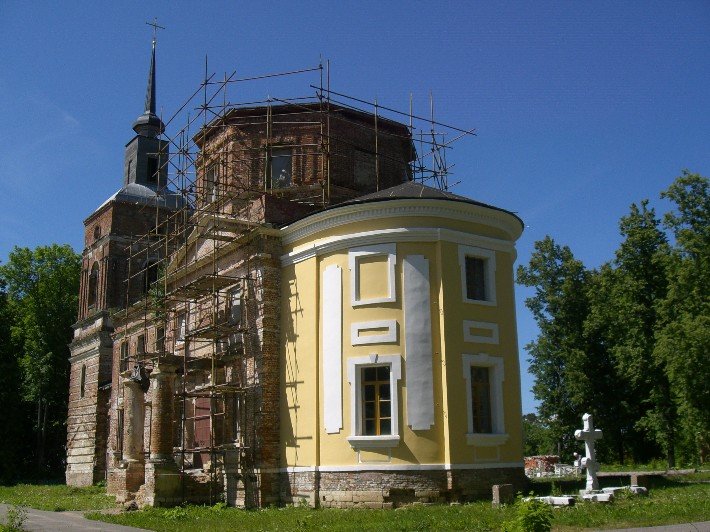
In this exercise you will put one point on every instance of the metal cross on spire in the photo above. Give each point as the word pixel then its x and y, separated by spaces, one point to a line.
pixel 155 28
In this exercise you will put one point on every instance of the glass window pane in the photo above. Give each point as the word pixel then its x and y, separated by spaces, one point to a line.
pixel 385 426
pixel 383 373
pixel 385 391
pixel 369 374
pixel 480 396
pixel 280 168
pixel 369 392
pixel 385 408
pixel 369 410
pixel 475 278
pixel 370 427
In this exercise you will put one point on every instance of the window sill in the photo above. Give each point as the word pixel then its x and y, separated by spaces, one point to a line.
pixel 485 302
pixel 373 442
pixel 486 440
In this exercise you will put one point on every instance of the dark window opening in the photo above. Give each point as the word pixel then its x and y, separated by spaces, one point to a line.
pixel 476 278
pixel 94 285
pixel 123 362
pixel 140 345
pixel 211 185
pixel 160 340
pixel 481 399
pixel 97 232
pixel 82 385
pixel 150 276
pixel 376 401
pixel 280 168
pixel 152 170
pixel 364 169
pixel 119 432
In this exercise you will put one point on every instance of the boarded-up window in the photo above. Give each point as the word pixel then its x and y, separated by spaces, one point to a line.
pixel 481 398
pixel 475 278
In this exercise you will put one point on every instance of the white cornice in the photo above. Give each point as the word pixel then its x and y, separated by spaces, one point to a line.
pixel 400 234
pixel 451 210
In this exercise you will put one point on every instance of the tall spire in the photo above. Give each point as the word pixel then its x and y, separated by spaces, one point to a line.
pixel 149 124
pixel 150 91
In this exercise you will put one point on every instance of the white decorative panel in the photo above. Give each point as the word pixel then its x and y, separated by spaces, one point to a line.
pixel 373 332
pixel 332 348
pixel 417 343
pixel 489 330
pixel 355 255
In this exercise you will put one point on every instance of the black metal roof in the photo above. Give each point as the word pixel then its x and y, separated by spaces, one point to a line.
pixel 415 190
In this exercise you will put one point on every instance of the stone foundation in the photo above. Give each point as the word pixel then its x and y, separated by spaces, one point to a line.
pixel 82 477
pixel 391 489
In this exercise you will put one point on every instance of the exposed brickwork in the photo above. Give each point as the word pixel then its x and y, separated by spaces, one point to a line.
pixel 387 489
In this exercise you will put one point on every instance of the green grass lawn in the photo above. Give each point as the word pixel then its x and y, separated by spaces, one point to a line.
pixel 672 501
pixel 56 497
pixel 676 500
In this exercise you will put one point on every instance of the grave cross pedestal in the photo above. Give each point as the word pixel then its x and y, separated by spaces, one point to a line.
pixel 589 434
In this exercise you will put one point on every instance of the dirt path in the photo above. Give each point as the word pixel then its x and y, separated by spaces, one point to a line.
pixel 41 521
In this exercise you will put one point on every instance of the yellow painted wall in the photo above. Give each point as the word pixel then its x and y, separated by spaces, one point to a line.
pixel 305 441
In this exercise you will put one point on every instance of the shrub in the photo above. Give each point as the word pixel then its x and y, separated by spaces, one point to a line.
pixel 530 516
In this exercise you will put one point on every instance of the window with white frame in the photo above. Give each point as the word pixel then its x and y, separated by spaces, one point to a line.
pixel 478 270
pixel 374 402
pixel 372 277
pixel 483 375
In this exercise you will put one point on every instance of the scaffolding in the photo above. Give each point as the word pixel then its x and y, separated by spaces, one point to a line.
pixel 196 295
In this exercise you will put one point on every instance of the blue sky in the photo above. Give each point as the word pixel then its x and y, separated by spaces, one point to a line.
pixel 581 108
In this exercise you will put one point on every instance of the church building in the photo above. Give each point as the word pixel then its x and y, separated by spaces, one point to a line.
pixel 276 311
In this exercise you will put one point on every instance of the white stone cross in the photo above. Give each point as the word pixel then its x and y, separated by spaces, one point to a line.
pixel 589 434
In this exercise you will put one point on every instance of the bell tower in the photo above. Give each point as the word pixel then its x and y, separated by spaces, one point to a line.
pixel 109 233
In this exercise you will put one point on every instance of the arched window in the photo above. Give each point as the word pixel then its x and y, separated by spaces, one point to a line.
pixel 94 285
pixel 82 385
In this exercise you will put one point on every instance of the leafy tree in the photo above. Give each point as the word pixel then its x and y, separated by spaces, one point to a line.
pixel 636 286
pixel 14 424
pixel 42 290
pixel 536 436
pixel 683 344
pixel 559 307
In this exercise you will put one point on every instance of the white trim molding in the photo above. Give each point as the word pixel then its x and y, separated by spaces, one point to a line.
pixel 498 436
pixel 418 347
pixel 356 439
pixel 388 336
pixel 389 251
pixel 332 348
pixel 469 336
pixel 410 207
pixel 489 258
pixel 398 234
